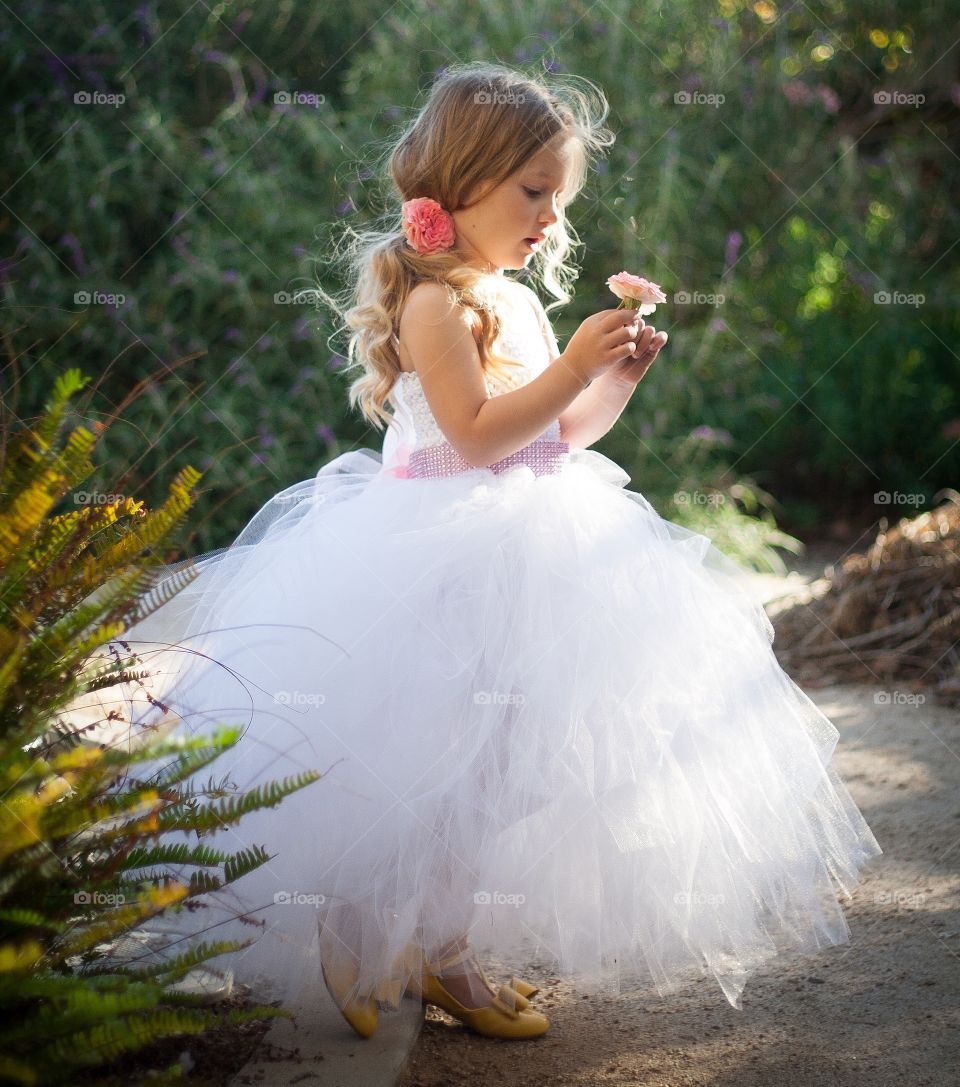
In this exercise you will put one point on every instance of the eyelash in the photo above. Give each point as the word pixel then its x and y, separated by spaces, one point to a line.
pixel 531 193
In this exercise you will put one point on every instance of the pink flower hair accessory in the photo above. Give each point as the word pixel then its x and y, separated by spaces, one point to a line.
pixel 428 227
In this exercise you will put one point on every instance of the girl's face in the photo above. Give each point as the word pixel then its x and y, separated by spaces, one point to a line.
pixel 506 224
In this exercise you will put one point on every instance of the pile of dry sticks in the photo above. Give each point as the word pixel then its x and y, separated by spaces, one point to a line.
pixel 888 615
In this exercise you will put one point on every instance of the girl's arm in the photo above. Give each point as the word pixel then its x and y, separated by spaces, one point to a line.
pixel 595 410
pixel 592 412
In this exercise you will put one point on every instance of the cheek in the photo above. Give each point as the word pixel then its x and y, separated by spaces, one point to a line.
pixel 514 212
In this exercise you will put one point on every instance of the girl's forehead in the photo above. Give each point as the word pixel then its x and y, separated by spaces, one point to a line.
pixel 550 163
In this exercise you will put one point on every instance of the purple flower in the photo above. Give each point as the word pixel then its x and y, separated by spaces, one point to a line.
pixel 797 93
pixel 231 334
pixel 231 275
pixel 829 98
pixel 710 436
pixel 73 244
pixel 734 241
pixel 264 342
pixel 324 432
pixel 345 207
pixel 718 324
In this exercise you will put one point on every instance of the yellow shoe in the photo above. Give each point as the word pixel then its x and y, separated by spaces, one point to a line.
pixel 340 975
pixel 524 988
pixel 506 1017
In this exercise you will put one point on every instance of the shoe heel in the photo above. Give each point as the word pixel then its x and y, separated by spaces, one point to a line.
pixel 507 1016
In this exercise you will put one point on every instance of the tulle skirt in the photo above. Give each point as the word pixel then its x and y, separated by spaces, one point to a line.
pixel 544 716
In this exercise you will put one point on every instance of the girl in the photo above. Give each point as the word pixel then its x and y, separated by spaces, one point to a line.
pixel 548 718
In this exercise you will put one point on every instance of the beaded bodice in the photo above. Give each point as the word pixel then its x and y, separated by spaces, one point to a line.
pixel 522 339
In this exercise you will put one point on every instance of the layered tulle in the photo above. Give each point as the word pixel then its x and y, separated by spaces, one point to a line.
pixel 544 715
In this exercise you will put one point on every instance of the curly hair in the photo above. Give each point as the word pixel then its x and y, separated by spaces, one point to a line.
pixel 480 123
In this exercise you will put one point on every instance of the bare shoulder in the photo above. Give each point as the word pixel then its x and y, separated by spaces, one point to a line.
pixel 431 303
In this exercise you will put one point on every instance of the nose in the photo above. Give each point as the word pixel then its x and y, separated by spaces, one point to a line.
pixel 551 215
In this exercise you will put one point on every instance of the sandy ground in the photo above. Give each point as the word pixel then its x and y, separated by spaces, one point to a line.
pixel 882 1010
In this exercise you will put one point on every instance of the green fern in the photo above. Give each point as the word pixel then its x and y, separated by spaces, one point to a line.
pixel 77 822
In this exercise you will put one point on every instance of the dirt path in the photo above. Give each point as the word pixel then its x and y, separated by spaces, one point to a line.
pixel 881 1011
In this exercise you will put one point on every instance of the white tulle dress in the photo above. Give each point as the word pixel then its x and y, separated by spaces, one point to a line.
pixel 545 715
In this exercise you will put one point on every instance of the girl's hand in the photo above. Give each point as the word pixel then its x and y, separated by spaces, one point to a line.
pixel 604 340
pixel 631 369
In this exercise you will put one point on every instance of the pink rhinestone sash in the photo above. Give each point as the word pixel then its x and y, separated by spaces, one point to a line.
pixel 544 455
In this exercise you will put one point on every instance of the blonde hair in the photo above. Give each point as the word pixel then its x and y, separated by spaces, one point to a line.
pixel 481 122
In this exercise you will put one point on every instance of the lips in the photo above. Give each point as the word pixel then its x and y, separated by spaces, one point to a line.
pixel 536 239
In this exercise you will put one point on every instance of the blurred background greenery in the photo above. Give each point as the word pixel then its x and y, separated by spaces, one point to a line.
pixel 784 171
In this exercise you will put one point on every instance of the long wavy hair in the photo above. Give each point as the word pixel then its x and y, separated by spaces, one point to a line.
pixel 480 123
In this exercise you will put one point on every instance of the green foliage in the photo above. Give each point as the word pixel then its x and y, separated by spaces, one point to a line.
pixel 82 853
pixel 201 200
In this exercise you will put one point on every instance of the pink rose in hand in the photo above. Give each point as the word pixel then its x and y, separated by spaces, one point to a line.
pixel 427 226
pixel 635 292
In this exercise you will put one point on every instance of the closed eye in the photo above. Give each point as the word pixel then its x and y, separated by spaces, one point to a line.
pixel 532 192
